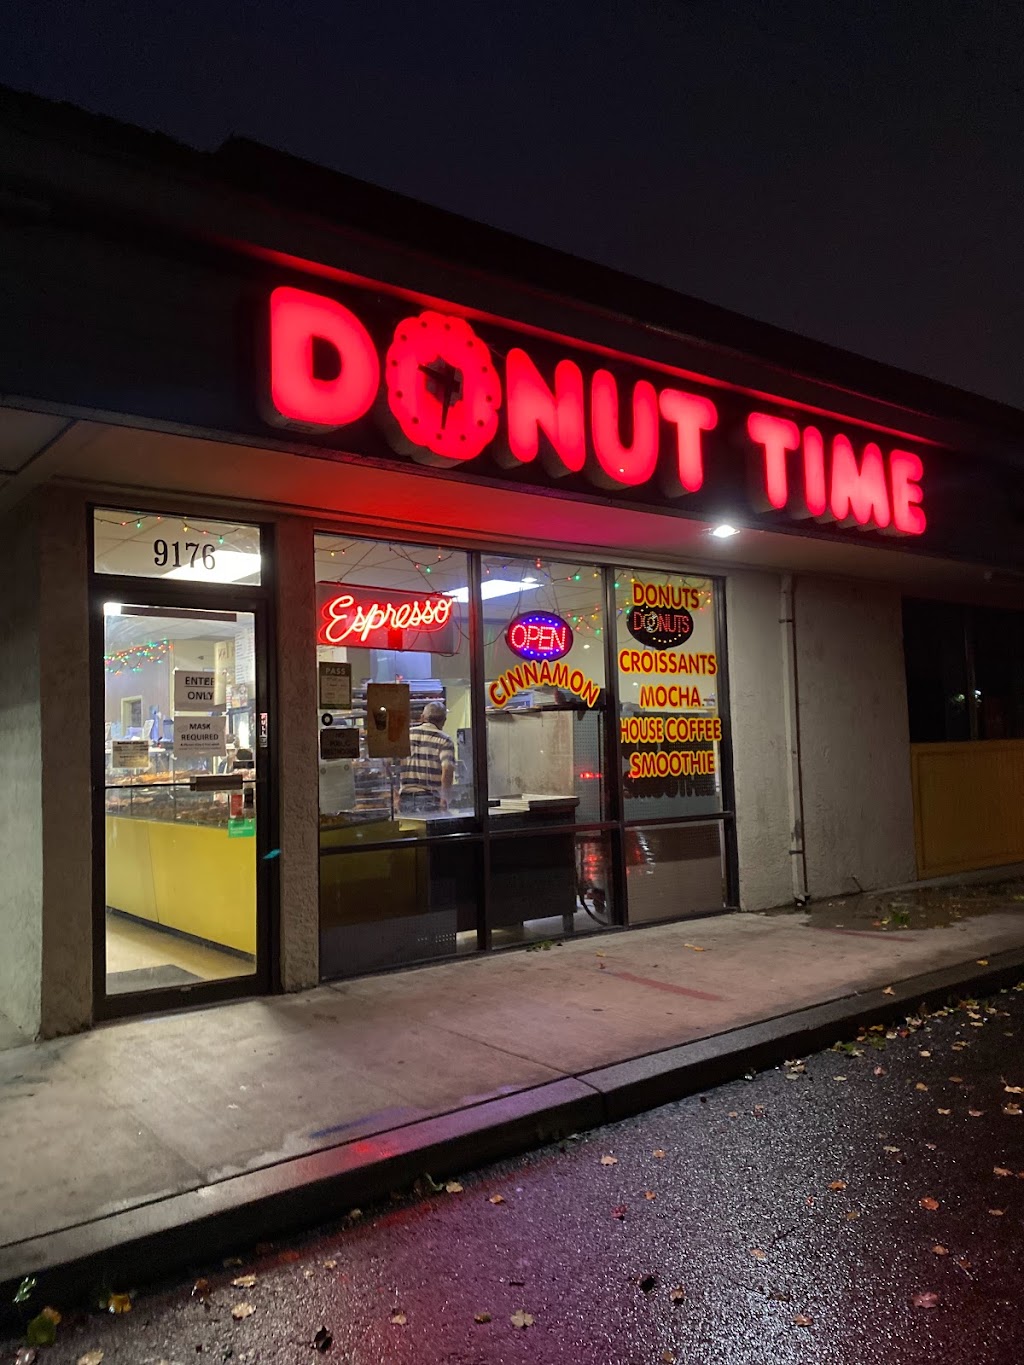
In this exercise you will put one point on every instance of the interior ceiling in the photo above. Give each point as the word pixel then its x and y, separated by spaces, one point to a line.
pixel 161 470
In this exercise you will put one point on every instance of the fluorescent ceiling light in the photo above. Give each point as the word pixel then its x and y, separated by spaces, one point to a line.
pixel 495 587
pixel 229 566
pixel 111 608
pixel 724 531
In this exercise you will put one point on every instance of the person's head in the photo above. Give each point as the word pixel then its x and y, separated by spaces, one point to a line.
pixel 434 714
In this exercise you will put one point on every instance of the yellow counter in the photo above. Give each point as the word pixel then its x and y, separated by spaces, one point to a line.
pixel 187 877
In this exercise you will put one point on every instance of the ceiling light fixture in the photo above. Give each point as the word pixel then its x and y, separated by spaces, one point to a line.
pixel 723 531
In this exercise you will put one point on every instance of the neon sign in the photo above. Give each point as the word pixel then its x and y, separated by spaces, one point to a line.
pixel 370 618
pixel 444 402
pixel 539 635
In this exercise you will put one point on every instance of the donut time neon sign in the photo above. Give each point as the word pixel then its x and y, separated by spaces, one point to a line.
pixel 439 393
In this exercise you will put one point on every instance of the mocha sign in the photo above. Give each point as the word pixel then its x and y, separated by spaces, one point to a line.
pixel 438 391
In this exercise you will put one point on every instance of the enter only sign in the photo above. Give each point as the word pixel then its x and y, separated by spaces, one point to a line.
pixel 193 691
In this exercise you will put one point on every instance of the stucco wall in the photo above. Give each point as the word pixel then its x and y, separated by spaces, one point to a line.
pixel 858 806
pixel 21 835
pixel 66 730
pixel 297 749
pixel 760 764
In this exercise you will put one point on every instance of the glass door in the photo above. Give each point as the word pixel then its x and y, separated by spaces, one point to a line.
pixel 183 801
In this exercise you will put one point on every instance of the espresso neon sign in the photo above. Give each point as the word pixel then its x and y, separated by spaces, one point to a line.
pixel 443 398
pixel 370 619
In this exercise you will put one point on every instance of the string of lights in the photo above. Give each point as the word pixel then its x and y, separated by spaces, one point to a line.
pixel 134 659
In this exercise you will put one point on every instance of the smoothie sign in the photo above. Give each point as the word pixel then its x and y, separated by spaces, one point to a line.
pixel 669 743
pixel 432 388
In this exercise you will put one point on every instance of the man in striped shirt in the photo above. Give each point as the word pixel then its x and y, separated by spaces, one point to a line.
pixel 428 772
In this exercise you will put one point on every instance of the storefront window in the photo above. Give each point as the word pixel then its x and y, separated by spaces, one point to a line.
pixel 670 728
pixel 178 549
pixel 396 753
pixel 544 665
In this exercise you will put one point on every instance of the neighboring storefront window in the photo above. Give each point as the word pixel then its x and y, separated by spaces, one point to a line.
pixel 965 672
pixel 179 549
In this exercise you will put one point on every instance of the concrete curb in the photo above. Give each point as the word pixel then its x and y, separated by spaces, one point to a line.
pixel 164 1237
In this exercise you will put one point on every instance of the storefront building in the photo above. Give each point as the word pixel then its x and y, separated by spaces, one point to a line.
pixel 382 589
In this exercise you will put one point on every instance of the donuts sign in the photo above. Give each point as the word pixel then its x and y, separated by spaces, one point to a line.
pixel 436 391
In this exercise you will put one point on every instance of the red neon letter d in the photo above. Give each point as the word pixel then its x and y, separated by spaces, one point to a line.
pixel 298 395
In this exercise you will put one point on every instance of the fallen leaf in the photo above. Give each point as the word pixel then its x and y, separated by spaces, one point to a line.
pixel 453 1187
pixel 880 1071
pixel 677 1295
pixel 758 1254
pixel 649 1194
pixel 944 1111
pixel 923 1053
pixel 242 1310
pixel 649 1284
pixel 330 1265
pixel 803 1320
pixel 354 1215
pixel 609 1161
pixel 733 1114
pixel 920 1086
pixel 997 1213
pixel 964 1264
pixel 1001 1170
pixel 888 990
pixel 693 948
pixel 229 1261
pixel 496 1199
pixel 957 1080
pixel 837 1185
pixel 839 1078
pixel 399 1319
pixel 890 1149
pixel 1011 1108
pixel 940 1250
pixel 851 1214
pixel 28 1355
pixel 982 961
pixel 244 1281
pixel 975 1113
pixel 659 1152
pixel 202 1289
pixel 619 1212
pixel 931 1146
pixel 928 1203
pixel 90 1358
pixel 521 1318
pixel 482 1317
pixel 928 1299
pixel 668 1358
pixel 1014 1089
pixel 322 1340
pixel 119 1303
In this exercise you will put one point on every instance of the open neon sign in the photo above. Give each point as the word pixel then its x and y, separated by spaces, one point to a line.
pixel 539 635
pixel 444 402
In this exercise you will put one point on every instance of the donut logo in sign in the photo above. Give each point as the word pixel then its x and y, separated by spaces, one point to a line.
pixel 443 390
pixel 659 627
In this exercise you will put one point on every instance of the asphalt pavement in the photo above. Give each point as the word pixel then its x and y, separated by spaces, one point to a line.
pixel 864 1205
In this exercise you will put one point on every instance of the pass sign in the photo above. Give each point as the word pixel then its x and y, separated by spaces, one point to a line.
pixel 199 737
pixel 193 691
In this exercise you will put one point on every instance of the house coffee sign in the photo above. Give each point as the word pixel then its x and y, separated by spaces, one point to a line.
pixel 433 386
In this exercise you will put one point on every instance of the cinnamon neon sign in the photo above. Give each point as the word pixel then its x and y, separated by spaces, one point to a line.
pixel 367 618
pixel 442 397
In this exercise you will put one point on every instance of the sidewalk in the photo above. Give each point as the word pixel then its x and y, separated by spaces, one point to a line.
pixel 261 1115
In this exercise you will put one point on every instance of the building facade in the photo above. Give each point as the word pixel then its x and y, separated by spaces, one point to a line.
pixel 380 588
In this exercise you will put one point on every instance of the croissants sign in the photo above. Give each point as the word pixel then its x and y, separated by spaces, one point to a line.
pixel 441 394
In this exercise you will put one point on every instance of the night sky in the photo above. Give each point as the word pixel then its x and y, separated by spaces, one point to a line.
pixel 853 171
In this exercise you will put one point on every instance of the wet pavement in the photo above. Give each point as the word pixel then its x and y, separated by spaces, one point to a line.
pixel 863 1206
pixel 919 907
